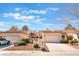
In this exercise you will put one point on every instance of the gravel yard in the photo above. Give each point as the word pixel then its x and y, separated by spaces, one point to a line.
pixel 28 47
pixel 54 50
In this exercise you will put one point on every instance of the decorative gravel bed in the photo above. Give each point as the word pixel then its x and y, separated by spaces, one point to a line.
pixel 74 46
pixel 28 47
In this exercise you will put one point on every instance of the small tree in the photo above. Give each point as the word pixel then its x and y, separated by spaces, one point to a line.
pixel 25 27
pixel 14 28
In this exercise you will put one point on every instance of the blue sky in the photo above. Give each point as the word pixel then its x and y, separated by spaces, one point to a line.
pixel 36 15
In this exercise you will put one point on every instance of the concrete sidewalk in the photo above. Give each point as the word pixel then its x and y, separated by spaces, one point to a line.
pixel 37 53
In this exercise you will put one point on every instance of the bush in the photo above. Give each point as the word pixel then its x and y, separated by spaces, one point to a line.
pixel 64 41
pixel 20 43
pixel 75 41
pixel 43 49
pixel 71 42
pixel 26 40
pixel 36 46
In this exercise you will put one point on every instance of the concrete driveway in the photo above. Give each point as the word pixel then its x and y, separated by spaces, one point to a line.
pixel 62 49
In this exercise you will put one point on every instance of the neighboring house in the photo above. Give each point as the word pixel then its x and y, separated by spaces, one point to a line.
pixel 47 36
pixel 71 33
pixel 15 35
pixel 55 36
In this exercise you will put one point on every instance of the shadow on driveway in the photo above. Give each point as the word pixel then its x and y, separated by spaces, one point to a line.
pixel 4 46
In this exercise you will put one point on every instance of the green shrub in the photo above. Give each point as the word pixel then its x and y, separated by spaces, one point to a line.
pixel 26 40
pixel 75 41
pixel 71 42
pixel 64 41
pixel 36 46
pixel 43 49
pixel 20 43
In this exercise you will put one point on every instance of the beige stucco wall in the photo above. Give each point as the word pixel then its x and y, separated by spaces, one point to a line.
pixel 9 34
pixel 24 36
pixel 51 37
pixel 13 37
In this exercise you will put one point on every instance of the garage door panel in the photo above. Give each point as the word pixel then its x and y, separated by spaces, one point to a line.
pixel 13 38
pixel 54 39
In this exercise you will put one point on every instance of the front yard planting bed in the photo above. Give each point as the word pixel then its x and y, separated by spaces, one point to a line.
pixel 28 47
pixel 75 46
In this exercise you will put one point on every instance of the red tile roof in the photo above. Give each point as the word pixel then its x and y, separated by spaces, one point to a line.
pixel 55 31
pixel 16 31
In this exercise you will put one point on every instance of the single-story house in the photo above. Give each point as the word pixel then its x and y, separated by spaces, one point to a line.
pixel 15 35
pixel 48 36
pixel 51 36
pixel 55 36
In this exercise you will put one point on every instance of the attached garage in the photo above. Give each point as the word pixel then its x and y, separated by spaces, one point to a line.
pixel 13 38
pixel 14 35
pixel 51 37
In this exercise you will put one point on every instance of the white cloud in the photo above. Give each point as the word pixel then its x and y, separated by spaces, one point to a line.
pixel 53 9
pixel 67 20
pixel 47 25
pixel 12 23
pixel 18 9
pixel 25 12
pixel 58 18
pixel 37 16
pixel 21 24
pixel 11 14
pixel 18 16
pixel 38 11
pixel 6 25
pixel 2 24
pixel 43 19
pixel 38 20
pixel 54 24
pixel 27 17
pixel 75 21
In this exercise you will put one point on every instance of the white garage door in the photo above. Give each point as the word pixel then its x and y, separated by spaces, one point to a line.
pixel 52 39
pixel 13 38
